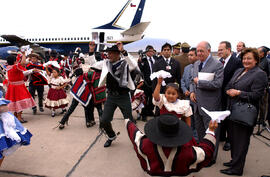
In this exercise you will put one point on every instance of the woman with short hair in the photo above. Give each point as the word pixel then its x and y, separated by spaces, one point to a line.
pixel 247 85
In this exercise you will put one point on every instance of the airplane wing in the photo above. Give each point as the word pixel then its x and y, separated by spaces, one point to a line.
pixel 136 29
pixel 15 40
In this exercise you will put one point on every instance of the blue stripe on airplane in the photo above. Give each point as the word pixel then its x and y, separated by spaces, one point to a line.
pixel 138 15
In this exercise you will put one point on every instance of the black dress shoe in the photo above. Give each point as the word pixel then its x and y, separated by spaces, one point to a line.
pixel 230 172
pixel 227 146
pixel 108 143
pixel 228 164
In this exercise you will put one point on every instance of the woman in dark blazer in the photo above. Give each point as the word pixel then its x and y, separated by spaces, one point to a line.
pixel 248 83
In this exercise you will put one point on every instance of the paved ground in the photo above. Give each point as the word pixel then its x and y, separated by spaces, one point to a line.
pixel 78 151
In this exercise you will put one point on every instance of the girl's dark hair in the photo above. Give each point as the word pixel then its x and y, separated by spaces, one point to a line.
pixel 173 85
pixel 11 59
pixel 56 69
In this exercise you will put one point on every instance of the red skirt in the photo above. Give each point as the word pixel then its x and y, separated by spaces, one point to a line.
pixel 56 99
pixel 19 98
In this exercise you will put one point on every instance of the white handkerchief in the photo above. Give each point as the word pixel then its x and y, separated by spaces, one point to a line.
pixel 54 63
pixel 217 115
pixel 161 73
pixel 206 76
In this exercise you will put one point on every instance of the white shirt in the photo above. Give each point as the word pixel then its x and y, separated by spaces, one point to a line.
pixel 226 61
pixel 169 60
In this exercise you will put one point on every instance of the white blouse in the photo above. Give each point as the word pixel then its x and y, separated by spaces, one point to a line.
pixel 179 106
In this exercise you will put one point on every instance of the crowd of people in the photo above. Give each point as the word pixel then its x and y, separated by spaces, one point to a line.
pixel 172 86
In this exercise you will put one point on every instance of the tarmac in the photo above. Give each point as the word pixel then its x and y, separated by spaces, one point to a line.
pixel 77 151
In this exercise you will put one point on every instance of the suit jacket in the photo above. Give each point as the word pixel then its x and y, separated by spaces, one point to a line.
pixel 232 65
pixel 146 71
pixel 252 86
pixel 208 93
pixel 186 79
pixel 183 60
pixel 174 66
pixel 164 161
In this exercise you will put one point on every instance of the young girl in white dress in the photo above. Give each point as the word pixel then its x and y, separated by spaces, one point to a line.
pixel 56 98
pixel 169 103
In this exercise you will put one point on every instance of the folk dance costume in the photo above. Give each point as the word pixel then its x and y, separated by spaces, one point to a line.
pixel 179 108
pixel 37 83
pixel 56 98
pixel 66 64
pixel 168 149
pixel 85 90
pixel 118 81
pixel 17 93
pixel 12 133
pixel 138 101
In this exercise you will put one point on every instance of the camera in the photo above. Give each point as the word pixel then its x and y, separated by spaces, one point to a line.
pixel 142 54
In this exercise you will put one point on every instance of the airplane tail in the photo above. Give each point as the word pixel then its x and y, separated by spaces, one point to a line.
pixel 129 16
pixel 136 29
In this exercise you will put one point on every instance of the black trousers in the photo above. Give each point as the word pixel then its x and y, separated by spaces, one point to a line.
pixel 113 101
pixel 40 90
pixel 239 136
pixel 88 111
pixel 149 107
pixel 201 125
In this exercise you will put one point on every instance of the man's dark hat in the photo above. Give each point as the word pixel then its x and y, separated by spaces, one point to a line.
pixel 177 45
pixel 168 131
pixel 113 48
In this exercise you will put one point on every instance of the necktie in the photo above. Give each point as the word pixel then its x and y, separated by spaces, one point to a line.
pixel 200 66
pixel 167 61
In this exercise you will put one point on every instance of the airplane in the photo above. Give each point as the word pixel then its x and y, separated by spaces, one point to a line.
pixel 111 32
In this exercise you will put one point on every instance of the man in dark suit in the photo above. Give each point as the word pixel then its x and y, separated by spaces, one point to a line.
pixel 206 92
pixel 166 63
pixel 264 65
pixel 146 64
pixel 230 65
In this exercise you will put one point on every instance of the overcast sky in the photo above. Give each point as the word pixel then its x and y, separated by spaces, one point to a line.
pixel 178 20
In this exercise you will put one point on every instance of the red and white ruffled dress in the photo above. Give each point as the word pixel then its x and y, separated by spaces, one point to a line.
pixel 56 98
pixel 17 93
pixel 179 107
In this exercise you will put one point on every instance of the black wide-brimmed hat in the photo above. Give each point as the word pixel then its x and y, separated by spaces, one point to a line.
pixel 168 131
pixel 113 48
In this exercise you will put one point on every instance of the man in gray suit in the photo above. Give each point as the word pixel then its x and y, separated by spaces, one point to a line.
pixel 206 93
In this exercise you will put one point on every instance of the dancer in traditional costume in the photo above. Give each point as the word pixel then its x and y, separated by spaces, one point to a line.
pixel 37 81
pixel 56 98
pixel 17 93
pixel 12 133
pixel 85 90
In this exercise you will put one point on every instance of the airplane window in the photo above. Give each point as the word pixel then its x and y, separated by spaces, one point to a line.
pixel 61 39
pixel 42 39
pixel 55 39
pixel 84 38
pixel 88 38
pixel 65 38
pixel 49 39
pixel 68 38
pixel 81 38
pixel 71 38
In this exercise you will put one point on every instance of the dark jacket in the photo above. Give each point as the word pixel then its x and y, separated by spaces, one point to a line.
pixel 229 70
pixel 174 69
pixel 252 86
